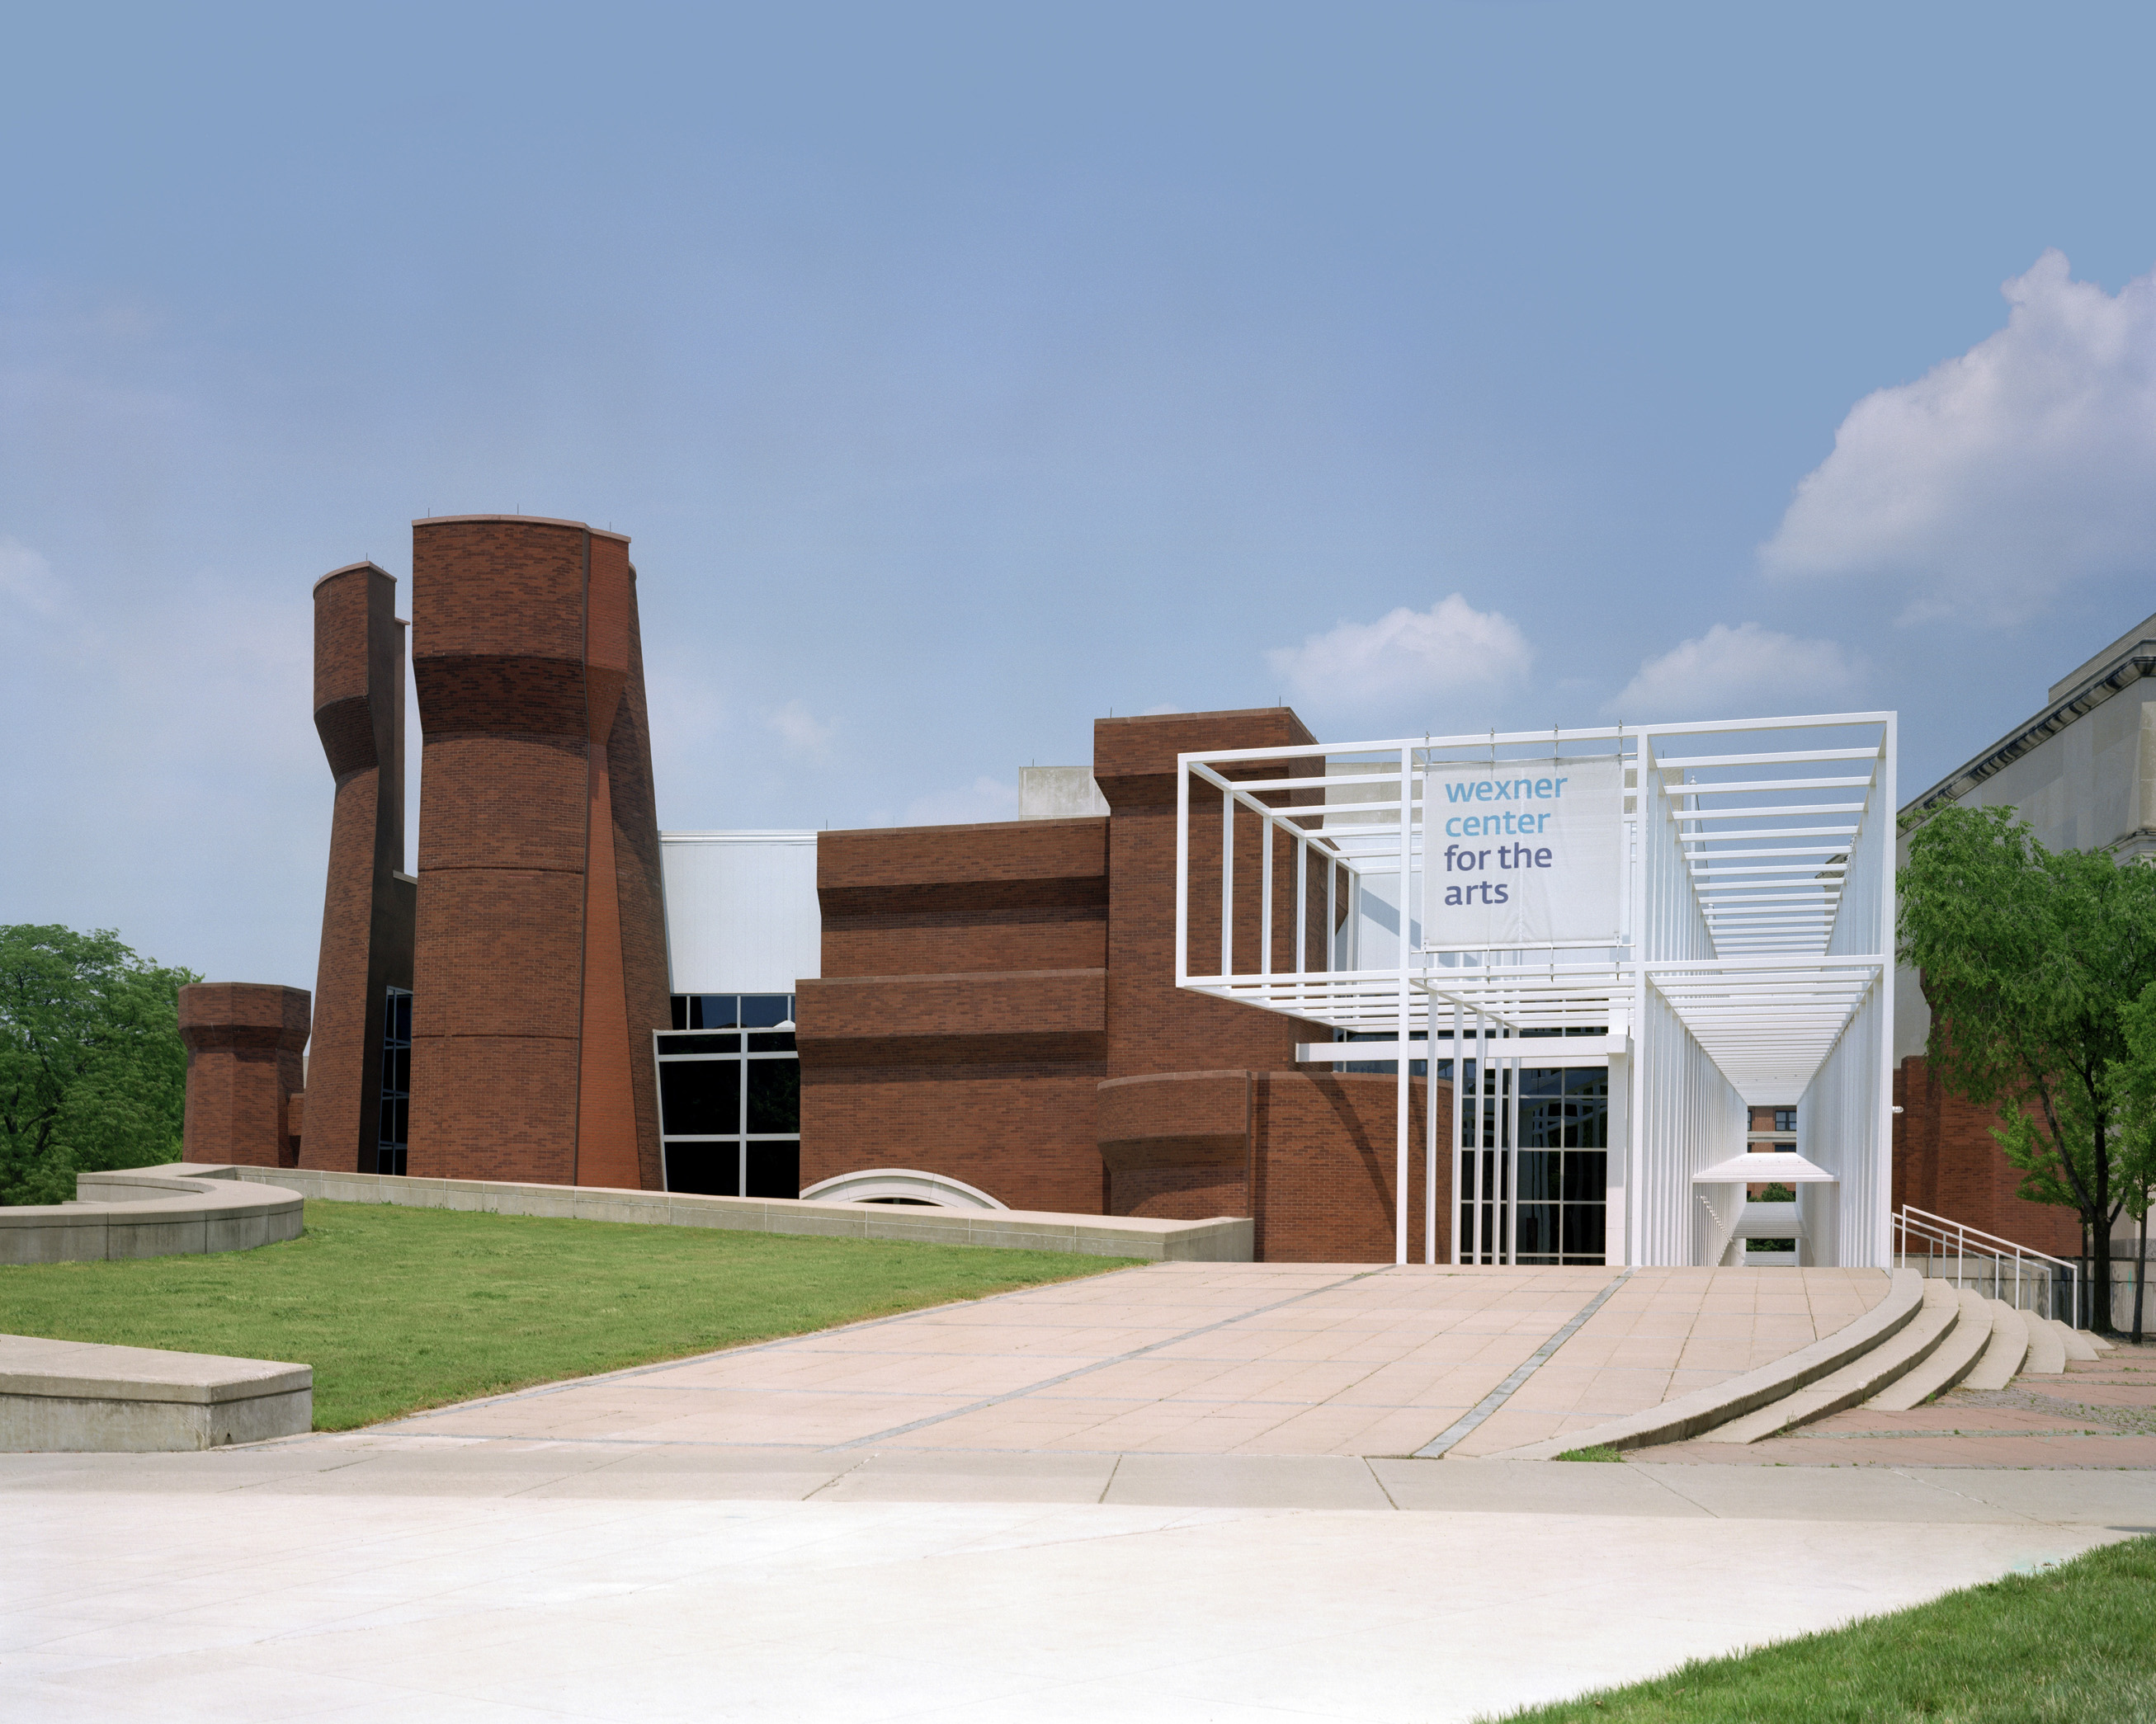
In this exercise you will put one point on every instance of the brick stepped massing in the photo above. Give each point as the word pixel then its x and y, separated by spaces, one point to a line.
pixel 539 970
pixel 998 1004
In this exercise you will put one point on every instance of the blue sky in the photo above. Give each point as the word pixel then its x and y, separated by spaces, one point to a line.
pixel 966 372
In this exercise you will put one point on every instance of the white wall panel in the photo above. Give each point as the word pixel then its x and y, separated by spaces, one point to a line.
pixel 741 916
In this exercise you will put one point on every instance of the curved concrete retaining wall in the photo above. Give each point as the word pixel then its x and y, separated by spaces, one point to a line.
pixel 150 1212
pixel 1223 1239
pixel 62 1395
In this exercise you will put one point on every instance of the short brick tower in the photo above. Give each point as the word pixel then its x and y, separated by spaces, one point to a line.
pixel 244 1041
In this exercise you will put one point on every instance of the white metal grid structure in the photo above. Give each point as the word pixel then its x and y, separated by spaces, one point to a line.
pixel 1752 964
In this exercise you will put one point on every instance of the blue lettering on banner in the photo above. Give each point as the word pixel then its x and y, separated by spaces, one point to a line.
pixel 1506 790
pixel 1495 825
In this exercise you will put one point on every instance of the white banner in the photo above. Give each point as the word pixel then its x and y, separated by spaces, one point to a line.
pixel 1522 853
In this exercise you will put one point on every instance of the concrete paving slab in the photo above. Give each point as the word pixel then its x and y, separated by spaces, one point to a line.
pixel 2124 1499
pixel 1531 1487
pixel 1822 1493
pixel 1246 1481
pixel 1325 1359
pixel 257 1607
pixel 942 1476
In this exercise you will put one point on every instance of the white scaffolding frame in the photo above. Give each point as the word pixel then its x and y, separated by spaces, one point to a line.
pixel 1752 966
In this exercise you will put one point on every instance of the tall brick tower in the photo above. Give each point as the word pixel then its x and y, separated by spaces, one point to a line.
pixel 541 967
pixel 367 912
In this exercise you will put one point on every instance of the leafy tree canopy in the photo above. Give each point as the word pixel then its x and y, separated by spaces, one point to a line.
pixel 2032 960
pixel 92 1070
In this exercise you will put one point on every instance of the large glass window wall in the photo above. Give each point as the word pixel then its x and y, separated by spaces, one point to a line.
pixel 730 1095
pixel 1557 1195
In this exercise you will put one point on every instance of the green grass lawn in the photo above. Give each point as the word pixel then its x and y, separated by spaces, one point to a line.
pixel 2074 1645
pixel 400 1309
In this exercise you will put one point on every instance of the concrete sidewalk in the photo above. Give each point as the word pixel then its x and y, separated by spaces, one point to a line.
pixel 382 1576
pixel 389 1462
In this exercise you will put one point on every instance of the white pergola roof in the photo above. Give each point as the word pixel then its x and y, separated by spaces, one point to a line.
pixel 1780 1166
pixel 1771 949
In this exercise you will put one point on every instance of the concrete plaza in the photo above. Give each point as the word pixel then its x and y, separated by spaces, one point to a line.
pixel 1216 1358
pixel 1159 1493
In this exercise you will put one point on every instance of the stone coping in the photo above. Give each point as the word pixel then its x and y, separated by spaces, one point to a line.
pixel 150 1212
pixel 87 1370
pixel 1220 1239
pixel 1703 1409
pixel 84 1397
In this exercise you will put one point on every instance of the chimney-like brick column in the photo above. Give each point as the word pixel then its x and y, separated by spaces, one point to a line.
pixel 368 910
pixel 243 1040
pixel 541 967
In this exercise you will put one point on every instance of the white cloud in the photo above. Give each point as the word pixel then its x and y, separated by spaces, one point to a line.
pixel 28 579
pixel 1450 648
pixel 1743 672
pixel 984 799
pixel 802 734
pixel 2024 465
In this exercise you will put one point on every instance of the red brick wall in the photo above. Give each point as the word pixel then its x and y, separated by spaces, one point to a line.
pixel 1154 1026
pixel 244 1042
pixel 635 808
pixel 1325 1164
pixel 953 1032
pixel 1946 1160
pixel 980 1061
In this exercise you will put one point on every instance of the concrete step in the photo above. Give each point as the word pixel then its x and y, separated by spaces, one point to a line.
pixel 2078 1344
pixel 1951 1360
pixel 2047 1352
pixel 2096 1341
pixel 1861 1379
pixel 1699 1410
pixel 2009 1346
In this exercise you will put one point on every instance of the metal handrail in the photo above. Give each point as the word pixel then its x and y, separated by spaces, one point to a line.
pixel 1938 1230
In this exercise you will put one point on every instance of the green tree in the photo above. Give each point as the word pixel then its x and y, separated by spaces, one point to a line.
pixel 2134 1080
pixel 2030 959
pixel 92 1070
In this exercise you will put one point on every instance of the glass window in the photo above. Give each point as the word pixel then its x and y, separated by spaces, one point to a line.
pixel 774 1095
pixel 1785 1119
pixel 694 1044
pixel 731 1126
pixel 711 1170
pixel 774 1168
pixel 392 1118
pixel 1560 1167
pixel 699 1098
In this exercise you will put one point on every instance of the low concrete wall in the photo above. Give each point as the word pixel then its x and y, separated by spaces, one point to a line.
pixel 1223 1239
pixel 151 1211
pixel 62 1395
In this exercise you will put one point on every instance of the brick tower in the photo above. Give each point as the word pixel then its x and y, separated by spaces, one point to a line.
pixel 367 912
pixel 243 1040
pixel 541 964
